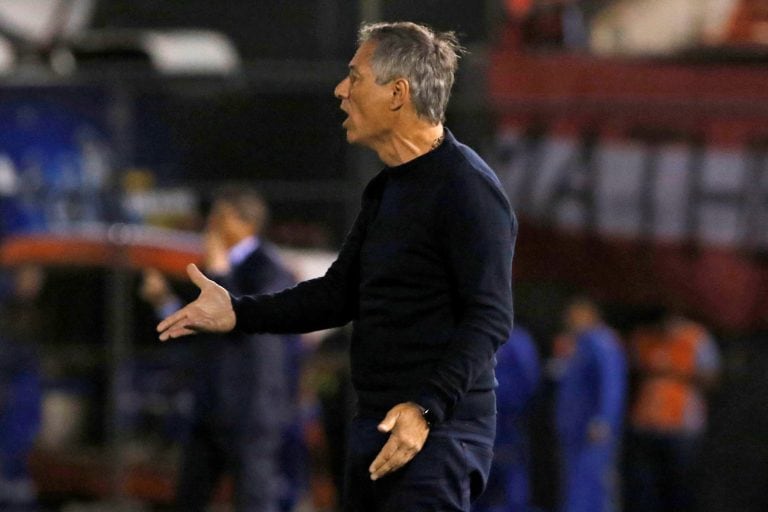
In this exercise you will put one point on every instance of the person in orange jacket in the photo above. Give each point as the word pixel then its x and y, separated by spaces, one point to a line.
pixel 676 361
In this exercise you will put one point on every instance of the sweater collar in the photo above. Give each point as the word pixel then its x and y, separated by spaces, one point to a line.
pixel 449 140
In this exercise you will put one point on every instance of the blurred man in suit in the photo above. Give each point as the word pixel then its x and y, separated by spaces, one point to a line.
pixel 244 384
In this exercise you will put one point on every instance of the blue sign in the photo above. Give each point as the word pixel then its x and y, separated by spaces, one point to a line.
pixel 56 161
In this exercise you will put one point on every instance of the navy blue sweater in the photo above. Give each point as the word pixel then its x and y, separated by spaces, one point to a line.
pixel 425 275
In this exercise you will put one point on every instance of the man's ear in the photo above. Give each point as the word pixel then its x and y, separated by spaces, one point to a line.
pixel 401 93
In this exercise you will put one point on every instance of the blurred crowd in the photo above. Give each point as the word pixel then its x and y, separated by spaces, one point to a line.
pixel 637 27
pixel 622 414
pixel 595 419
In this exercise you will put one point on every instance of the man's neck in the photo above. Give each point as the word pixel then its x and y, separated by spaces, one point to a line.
pixel 405 145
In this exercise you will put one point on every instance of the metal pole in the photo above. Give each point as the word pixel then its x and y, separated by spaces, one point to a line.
pixel 119 323
pixel 120 120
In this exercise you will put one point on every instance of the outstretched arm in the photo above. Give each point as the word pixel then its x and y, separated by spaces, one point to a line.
pixel 210 312
pixel 320 303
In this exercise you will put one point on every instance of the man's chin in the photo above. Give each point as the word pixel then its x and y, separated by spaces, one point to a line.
pixel 351 139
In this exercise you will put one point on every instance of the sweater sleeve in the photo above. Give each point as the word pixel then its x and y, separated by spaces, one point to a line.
pixel 321 303
pixel 479 232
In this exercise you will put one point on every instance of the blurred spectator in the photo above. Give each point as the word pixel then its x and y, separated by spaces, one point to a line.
pixel 518 371
pixel 246 385
pixel 676 361
pixel 590 368
pixel 749 23
pixel 634 27
pixel 20 390
pixel 659 27
pixel 553 23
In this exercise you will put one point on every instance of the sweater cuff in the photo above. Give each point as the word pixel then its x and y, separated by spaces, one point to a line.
pixel 236 308
pixel 432 404
pixel 240 317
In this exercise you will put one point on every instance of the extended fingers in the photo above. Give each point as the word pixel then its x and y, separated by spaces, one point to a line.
pixel 178 324
pixel 172 320
pixel 176 332
pixel 394 455
pixel 386 453
pixel 408 432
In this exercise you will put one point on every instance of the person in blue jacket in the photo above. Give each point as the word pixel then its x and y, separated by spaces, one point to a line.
pixel 591 372
pixel 20 391
pixel 518 370
pixel 20 398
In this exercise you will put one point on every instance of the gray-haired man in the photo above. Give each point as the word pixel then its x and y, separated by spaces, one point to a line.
pixel 424 275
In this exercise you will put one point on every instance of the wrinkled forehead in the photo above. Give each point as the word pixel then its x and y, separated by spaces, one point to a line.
pixel 363 57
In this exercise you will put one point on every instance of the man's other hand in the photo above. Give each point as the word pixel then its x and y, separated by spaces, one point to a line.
pixel 408 432
pixel 210 312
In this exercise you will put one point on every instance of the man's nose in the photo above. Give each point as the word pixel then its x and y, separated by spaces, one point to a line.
pixel 340 92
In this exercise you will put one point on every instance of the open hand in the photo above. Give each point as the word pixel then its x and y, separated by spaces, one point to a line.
pixel 210 312
pixel 408 432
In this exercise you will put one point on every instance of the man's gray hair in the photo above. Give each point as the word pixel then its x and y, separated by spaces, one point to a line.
pixel 247 202
pixel 426 58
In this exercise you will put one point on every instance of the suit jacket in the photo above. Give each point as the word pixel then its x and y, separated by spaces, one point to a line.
pixel 245 382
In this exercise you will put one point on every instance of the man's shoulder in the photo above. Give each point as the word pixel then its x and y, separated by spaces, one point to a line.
pixel 264 260
pixel 266 254
pixel 464 167
pixel 466 176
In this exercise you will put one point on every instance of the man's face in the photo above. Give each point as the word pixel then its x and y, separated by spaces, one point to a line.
pixel 221 218
pixel 366 103
pixel 579 317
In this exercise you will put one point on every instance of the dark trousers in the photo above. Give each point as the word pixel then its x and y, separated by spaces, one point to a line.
pixel 658 472
pixel 448 473
pixel 509 482
pixel 249 459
